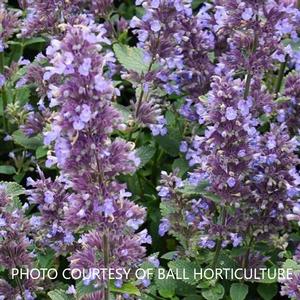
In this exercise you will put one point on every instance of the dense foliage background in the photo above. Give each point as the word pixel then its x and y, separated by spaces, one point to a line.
pixel 155 134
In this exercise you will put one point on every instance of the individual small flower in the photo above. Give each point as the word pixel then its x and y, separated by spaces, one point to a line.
pixel 205 242
pixel 164 227
pixel 160 127
pixel 2 80
pixel 295 215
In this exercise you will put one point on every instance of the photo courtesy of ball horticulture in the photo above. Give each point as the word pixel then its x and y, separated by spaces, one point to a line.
pixel 149 149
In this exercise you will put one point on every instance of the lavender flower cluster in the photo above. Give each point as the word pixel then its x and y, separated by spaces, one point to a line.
pixel 223 77
pixel 14 248
pixel 251 173
pixel 88 158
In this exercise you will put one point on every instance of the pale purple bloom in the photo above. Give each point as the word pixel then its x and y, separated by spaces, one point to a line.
pixel 155 25
pixel 164 227
pixel 231 182
pixel 2 80
pixel 205 242
pixel 247 14
pixel 231 113
pixel 84 69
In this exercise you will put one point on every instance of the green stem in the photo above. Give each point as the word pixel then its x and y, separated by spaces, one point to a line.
pixel 249 75
pixel 1 62
pixel 20 288
pixel 219 242
pixel 280 77
pixel 4 101
pixel 246 256
pixel 149 69
pixel 158 155
pixel 106 263
pixel 139 176
pixel 148 182
pixel 18 281
pixel 3 93
pixel 142 90
pixel 217 253
pixel 247 86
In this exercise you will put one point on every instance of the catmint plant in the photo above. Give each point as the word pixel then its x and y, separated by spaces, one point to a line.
pixel 165 136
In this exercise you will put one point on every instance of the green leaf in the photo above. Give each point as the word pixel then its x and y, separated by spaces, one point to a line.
pixel 127 288
pixel 59 295
pixel 180 164
pixel 145 153
pixel 184 289
pixel 41 152
pixel 170 255
pixel 267 291
pixel 28 143
pixel 8 170
pixel 185 269
pixel 291 264
pixel 214 293
pixel 170 118
pixel 239 291
pixel 166 209
pixel 196 3
pixel 22 95
pixel 191 190
pixel 170 143
pixel 225 261
pixel 199 190
pixel 46 260
pixel 85 290
pixel 14 190
pixel 166 287
pixel 131 58
pixel 35 40
pixel 273 278
pixel 124 111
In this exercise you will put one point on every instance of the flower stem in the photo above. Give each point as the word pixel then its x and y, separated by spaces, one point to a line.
pixel 247 87
pixel 280 77
pixel 245 262
pixel 219 242
pixel 249 75
pixel 106 263
pixel 18 281
pixel 1 62
pixel 3 93
pixel 142 90
pixel 217 253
